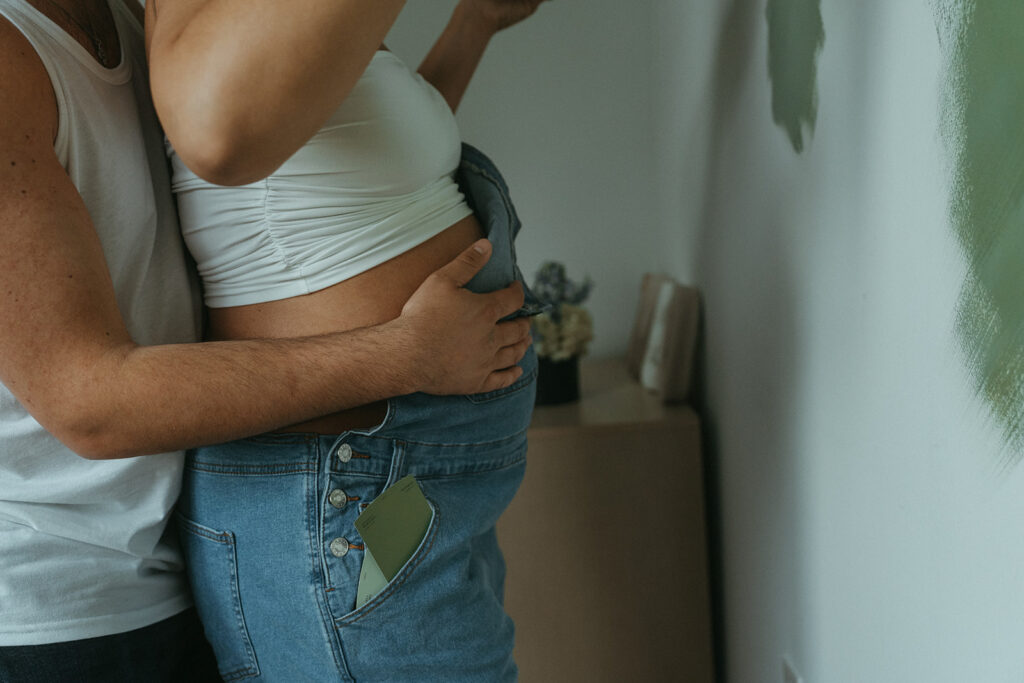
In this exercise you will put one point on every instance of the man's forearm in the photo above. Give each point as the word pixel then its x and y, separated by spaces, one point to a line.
pixel 142 400
pixel 120 399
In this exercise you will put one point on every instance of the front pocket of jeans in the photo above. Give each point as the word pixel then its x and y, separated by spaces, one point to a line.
pixel 213 573
pixel 401 578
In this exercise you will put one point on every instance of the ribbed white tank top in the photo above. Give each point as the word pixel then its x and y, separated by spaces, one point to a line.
pixel 82 547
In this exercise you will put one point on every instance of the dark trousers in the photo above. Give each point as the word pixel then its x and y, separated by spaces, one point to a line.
pixel 171 651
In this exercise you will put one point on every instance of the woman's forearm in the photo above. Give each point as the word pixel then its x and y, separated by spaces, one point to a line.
pixel 451 63
pixel 240 86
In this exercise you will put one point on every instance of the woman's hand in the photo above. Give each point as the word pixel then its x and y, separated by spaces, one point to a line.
pixel 495 15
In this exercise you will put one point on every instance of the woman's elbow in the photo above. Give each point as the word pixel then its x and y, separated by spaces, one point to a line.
pixel 210 142
pixel 221 158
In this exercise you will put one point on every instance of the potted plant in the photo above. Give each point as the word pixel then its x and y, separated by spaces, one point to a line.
pixel 561 335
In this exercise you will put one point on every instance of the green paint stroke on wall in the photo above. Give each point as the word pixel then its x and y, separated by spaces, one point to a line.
pixel 983 121
pixel 796 35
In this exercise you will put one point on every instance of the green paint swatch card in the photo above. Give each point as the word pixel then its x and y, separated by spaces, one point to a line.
pixel 371 579
pixel 392 528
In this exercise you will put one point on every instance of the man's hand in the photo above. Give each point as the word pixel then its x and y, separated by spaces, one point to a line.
pixel 465 349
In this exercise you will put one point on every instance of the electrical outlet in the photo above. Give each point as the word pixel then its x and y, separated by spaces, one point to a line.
pixel 789 674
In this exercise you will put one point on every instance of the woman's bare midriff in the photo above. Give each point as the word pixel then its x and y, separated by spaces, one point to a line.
pixel 370 298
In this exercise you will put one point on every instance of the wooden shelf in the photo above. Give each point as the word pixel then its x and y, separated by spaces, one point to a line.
pixel 609 396
pixel 605 542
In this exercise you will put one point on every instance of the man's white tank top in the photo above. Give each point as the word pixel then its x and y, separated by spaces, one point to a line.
pixel 83 548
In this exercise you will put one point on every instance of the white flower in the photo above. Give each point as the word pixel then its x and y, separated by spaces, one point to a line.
pixel 565 339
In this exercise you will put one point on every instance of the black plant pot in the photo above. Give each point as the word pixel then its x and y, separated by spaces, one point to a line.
pixel 558 381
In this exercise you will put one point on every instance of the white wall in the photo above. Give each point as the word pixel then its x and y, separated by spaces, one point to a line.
pixel 868 531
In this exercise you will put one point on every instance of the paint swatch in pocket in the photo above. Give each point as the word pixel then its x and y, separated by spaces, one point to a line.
pixel 392 528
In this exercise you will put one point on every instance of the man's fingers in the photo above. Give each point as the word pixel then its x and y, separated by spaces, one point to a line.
pixel 467 264
pixel 502 378
pixel 512 332
pixel 510 355
pixel 506 301
pixel 522 347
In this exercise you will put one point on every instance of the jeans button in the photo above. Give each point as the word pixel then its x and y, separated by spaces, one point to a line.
pixel 338 498
pixel 339 547
pixel 344 452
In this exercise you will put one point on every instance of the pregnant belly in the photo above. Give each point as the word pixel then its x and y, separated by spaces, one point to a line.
pixel 370 298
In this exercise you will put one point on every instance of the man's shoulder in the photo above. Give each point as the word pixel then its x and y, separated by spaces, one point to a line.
pixel 28 111
pixel 29 102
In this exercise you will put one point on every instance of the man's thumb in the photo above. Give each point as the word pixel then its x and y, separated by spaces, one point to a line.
pixel 467 264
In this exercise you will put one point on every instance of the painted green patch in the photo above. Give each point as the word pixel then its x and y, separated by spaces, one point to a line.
pixel 796 35
pixel 984 130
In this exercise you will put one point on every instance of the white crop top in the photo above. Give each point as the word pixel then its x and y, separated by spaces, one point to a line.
pixel 374 182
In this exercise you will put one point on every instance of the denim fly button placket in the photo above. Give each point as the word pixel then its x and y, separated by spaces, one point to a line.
pixel 344 452
pixel 338 498
pixel 339 547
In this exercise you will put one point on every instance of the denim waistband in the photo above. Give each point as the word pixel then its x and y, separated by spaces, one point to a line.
pixel 487 194
pixel 427 435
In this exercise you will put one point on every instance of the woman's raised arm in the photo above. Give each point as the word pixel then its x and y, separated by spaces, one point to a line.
pixel 452 61
pixel 240 85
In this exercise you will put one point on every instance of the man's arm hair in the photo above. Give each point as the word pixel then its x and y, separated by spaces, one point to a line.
pixel 66 355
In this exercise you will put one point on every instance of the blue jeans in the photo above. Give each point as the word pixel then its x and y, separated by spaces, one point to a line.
pixel 274 556
pixel 169 651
